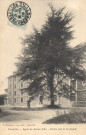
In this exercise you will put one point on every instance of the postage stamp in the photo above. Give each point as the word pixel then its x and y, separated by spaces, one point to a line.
pixel 19 13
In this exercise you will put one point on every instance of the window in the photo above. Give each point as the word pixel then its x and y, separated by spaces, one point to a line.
pixel 21 84
pixel 73 84
pixel 14 92
pixel 9 93
pixel 14 100
pixel 10 85
pixel 15 86
pixel 21 100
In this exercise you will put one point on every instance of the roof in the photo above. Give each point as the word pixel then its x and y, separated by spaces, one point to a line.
pixel 14 74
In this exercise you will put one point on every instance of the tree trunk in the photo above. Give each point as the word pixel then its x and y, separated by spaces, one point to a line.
pixel 51 77
pixel 52 98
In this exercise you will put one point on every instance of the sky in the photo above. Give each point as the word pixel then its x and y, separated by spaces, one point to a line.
pixel 10 35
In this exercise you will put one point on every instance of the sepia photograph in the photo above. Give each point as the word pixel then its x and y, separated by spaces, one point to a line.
pixel 42 66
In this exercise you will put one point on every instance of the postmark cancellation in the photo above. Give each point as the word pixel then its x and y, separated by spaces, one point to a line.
pixel 19 13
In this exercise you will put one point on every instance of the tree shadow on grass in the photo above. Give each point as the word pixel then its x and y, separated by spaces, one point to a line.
pixel 29 109
pixel 11 116
pixel 45 107
pixel 2 114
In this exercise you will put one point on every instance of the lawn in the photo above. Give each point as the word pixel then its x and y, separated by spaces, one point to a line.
pixel 70 118
pixel 44 115
pixel 4 113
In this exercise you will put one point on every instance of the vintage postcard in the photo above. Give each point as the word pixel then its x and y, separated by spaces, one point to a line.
pixel 42 67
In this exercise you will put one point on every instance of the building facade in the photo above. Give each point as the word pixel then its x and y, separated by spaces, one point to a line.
pixel 18 97
pixel 80 93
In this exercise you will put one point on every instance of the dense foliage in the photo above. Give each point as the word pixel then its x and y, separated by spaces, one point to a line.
pixel 47 59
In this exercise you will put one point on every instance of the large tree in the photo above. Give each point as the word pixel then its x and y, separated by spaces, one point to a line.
pixel 46 54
